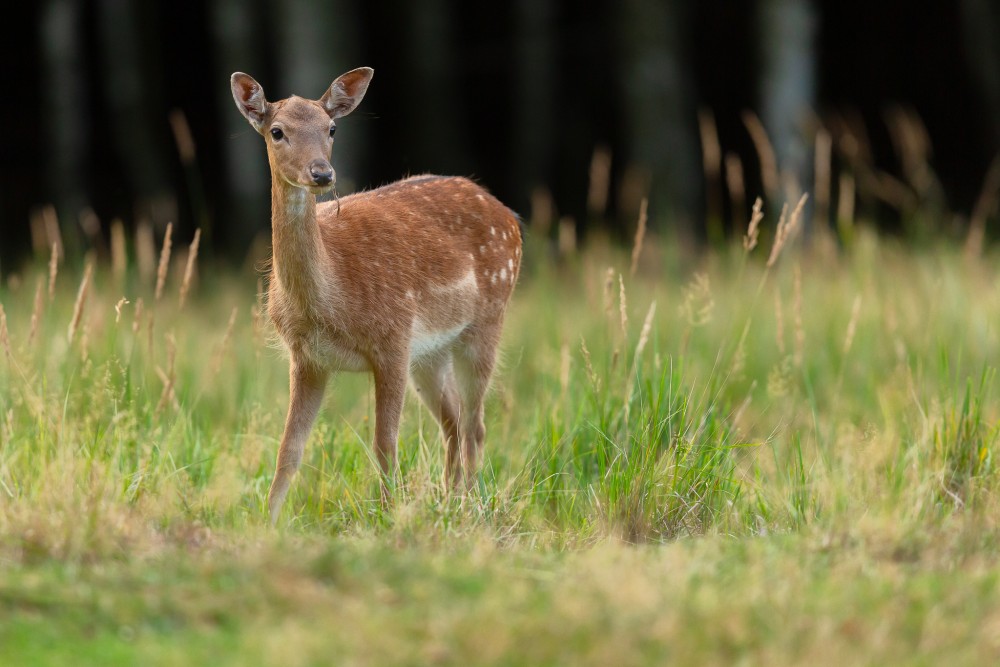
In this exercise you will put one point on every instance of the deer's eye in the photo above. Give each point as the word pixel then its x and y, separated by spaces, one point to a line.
pixel 333 129
pixel 277 134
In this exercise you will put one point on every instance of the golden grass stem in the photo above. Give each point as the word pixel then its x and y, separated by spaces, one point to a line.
pixel 753 229
pixel 852 325
pixel 161 272
pixel 800 332
pixel 5 335
pixel 119 254
pixel 765 154
pixel 640 235
pixel 53 271
pixel 81 301
pixel 600 181
pixel 736 185
pixel 36 311
pixel 623 307
pixel 192 258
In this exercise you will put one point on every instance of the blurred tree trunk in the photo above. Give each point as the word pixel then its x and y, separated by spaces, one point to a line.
pixel 315 43
pixel 131 88
pixel 533 96
pixel 787 33
pixel 247 195
pixel 64 105
pixel 434 108
pixel 982 32
pixel 658 109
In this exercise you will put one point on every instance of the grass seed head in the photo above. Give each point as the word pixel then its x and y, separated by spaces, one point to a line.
pixel 640 235
pixel 189 268
pixel 81 301
pixel 161 273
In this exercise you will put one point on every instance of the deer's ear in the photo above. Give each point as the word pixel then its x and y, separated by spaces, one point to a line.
pixel 249 97
pixel 346 92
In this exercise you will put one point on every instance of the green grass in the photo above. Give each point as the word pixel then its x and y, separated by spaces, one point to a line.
pixel 793 465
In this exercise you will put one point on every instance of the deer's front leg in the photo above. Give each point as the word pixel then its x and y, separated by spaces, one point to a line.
pixel 390 390
pixel 306 388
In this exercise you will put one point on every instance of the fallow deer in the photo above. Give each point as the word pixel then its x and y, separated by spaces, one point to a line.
pixel 409 279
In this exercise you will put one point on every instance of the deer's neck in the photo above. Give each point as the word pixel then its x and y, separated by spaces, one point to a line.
pixel 297 246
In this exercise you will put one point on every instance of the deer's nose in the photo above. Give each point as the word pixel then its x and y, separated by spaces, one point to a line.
pixel 321 172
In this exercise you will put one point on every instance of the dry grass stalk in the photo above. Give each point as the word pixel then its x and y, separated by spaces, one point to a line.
pixel 189 268
pixel 595 381
pixel 168 377
pixel 36 311
pixel 39 242
pixel 787 224
pixel 564 367
pixel 52 232
pixel 852 325
pixel 5 335
pixel 53 271
pixel 81 301
pixel 137 317
pixel 91 225
pixel 845 202
pixel 623 306
pixel 567 236
pixel 753 229
pixel 600 181
pixel 119 255
pixel 640 235
pixel 542 211
pixel 800 332
pixel 122 302
pixel 609 292
pixel 161 272
pixel 736 185
pixel 632 188
pixel 711 158
pixel 779 322
pixel 765 153
pixel 647 326
pixel 145 250
pixel 986 206
pixel 823 156
pixel 226 340
pixel 182 136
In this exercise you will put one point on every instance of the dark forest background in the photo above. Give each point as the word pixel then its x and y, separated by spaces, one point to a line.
pixel 122 110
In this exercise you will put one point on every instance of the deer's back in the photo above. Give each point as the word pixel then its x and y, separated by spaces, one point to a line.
pixel 428 256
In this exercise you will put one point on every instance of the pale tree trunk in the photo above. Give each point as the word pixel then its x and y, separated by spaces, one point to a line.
pixel 658 111
pixel 982 32
pixel 132 97
pixel 64 105
pixel 533 99
pixel 246 196
pixel 434 105
pixel 787 35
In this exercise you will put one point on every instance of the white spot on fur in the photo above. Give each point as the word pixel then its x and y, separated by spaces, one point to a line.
pixel 482 249
pixel 504 236
pixel 493 231
pixel 510 265
pixel 493 279
pixel 480 198
pixel 503 274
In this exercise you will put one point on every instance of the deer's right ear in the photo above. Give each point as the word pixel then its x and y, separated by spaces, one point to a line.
pixel 249 96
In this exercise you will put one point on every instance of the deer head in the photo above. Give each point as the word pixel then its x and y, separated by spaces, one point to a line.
pixel 299 132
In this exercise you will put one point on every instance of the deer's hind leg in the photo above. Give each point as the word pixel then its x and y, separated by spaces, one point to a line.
pixel 435 384
pixel 474 360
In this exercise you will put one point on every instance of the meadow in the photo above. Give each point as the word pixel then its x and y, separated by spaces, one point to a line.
pixel 736 456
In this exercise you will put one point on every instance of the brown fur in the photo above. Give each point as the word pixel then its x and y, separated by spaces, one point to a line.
pixel 410 279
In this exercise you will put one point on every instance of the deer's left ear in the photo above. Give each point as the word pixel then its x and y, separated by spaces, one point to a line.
pixel 346 92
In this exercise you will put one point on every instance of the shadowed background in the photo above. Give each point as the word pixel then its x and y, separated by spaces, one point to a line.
pixel 568 111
